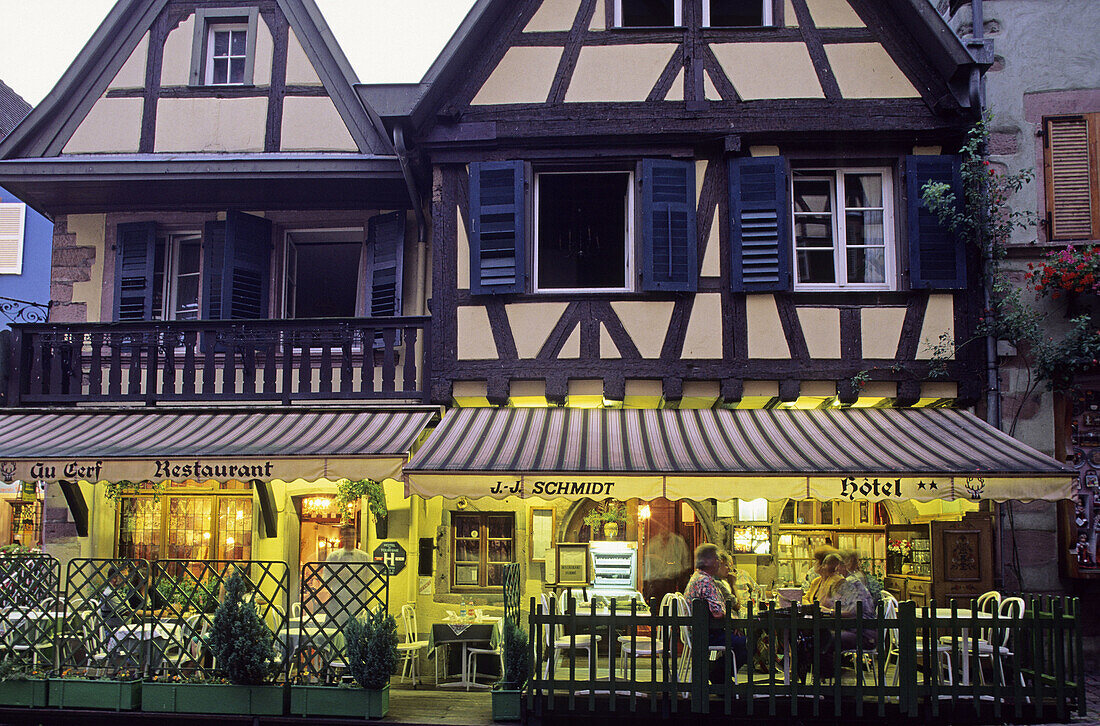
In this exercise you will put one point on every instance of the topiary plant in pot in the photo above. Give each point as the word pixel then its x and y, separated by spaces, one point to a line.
pixel 508 694
pixel 372 657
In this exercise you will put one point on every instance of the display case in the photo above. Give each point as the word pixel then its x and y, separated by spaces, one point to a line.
pixel 796 547
pixel 614 567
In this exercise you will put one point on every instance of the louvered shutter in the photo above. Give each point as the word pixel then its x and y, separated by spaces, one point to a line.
pixel 385 250
pixel 937 257
pixel 1069 181
pixel 135 270
pixel 498 237
pixel 237 268
pixel 760 241
pixel 669 243
pixel 13 217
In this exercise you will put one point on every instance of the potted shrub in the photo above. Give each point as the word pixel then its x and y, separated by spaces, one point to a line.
pixel 21 685
pixel 609 517
pixel 508 693
pixel 372 659
pixel 241 645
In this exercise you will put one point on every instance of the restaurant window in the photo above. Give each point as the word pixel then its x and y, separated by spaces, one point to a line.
pixel 843 229
pixel 584 231
pixel 483 543
pixel 648 13
pixel 752 510
pixel 185 527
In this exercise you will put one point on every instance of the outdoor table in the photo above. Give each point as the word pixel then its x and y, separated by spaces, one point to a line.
pixel 146 634
pixel 964 615
pixel 481 630
pixel 21 621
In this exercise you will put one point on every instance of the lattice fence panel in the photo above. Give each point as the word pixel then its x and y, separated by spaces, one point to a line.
pixel 512 594
pixel 30 612
pixel 106 632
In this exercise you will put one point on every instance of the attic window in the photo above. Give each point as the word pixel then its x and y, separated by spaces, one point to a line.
pixel 737 13
pixel 648 13
pixel 224 48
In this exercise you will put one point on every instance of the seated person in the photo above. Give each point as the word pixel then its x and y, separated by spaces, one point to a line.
pixel 845 596
pixel 703 586
pixel 821 587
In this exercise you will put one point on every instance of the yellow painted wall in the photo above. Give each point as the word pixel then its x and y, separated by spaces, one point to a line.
pixel 532 324
pixel 571 348
pixel 524 75
pixel 769 70
pixel 299 68
pixel 646 323
pixel 475 337
pixel 617 73
pixel 881 331
pixel 463 261
pixel 834 14
pixel 554 15
pixel 211 124
pixel 766 337
pixel 175 67
pixel 599 18
pixel 790 20
pixel 821 329
pixel 704 335
pixel 90 231
pixel 939 325
pixel 866 70
pixel 132 73
pixel 314 124
pixel 608 349
pixel 112 126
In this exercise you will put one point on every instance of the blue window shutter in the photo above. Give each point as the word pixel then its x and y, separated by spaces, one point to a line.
pixel 937 257
pixel 760 239
pixel 385 251
pixel 237 268
pixel 135 253
pixel 498 238
pixel 670 246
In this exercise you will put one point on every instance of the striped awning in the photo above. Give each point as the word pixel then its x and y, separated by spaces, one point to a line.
pixel 205 445
pixel 855 454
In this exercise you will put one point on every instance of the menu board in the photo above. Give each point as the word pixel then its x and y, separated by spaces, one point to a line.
pixel 572 563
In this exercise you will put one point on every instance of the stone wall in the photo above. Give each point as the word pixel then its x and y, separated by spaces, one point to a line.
pixel 72 263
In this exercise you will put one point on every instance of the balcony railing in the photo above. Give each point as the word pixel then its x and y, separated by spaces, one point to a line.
pixel 220 361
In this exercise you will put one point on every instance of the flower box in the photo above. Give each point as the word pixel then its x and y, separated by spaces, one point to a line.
pixel 506 704
pixel 221 698
pixel 352 702
pixel 30 693
pixel 84 693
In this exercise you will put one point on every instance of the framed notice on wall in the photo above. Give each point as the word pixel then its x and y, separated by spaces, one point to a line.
pixel 572 564
pixel 541 530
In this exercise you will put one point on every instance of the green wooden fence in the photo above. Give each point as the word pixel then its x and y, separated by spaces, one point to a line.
pixel 914 663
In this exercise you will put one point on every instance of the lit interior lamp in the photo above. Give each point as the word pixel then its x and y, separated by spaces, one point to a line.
pixel 240 514
pixel 229 540
pixel 206 535
pixel 644 512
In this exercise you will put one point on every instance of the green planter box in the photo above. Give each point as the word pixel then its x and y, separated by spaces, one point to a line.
pixel 106 694
pixel 30 693
pixel 335 701
pixel 222 698
pixel 506 704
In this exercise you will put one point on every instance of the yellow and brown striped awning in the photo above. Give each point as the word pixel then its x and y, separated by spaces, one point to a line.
pixel 205 445
pixel 855 454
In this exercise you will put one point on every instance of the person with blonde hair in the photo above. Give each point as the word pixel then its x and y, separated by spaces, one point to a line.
pixel 813 589
pixel 822 586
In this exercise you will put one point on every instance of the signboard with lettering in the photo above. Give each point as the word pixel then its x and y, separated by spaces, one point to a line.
pixel 392 555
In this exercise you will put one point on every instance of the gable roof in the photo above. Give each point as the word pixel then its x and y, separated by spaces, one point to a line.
pixel 49 126
pixel 921 27
pixel 12 109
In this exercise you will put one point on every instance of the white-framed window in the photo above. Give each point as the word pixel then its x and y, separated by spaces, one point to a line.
pixel 843 229
pixel 649 13
pixel 584 231
pixel 738 13
pixel 13 218
pixel 176 278
pixel 226 54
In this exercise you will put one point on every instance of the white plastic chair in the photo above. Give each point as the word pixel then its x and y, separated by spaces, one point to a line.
pixel 943 650
pixel 1010 608
pixel 644 645
pixel 684 673
pixel 412 647
pixel 558 644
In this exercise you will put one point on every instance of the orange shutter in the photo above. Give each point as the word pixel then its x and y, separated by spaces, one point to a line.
pixel 1071 178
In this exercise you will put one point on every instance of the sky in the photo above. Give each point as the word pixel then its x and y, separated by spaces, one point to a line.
pixel 386 41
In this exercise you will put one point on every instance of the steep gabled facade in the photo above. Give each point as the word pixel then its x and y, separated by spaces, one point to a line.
pixel 755 192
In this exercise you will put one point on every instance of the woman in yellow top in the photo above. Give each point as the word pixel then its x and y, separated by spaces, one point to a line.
pixel 822 586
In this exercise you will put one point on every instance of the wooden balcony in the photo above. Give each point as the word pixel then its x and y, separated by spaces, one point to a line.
pixel 283 361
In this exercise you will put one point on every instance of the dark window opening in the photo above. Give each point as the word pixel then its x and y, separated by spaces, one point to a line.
pixel 582 230
pixel 648 13
pixel 737 13
pixel 323 280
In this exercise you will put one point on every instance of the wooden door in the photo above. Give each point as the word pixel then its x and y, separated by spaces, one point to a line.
pixel 962 558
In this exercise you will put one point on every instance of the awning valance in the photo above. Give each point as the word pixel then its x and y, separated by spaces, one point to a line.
pixel 204 445
pixel 855 454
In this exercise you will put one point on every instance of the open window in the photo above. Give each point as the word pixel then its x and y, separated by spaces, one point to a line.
pixel 323 269
pixel 738 13
pixel 584 223
pixel 224 47
pixel 648 13
pixel 178 259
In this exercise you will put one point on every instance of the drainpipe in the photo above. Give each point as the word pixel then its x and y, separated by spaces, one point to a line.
pixel 421 292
